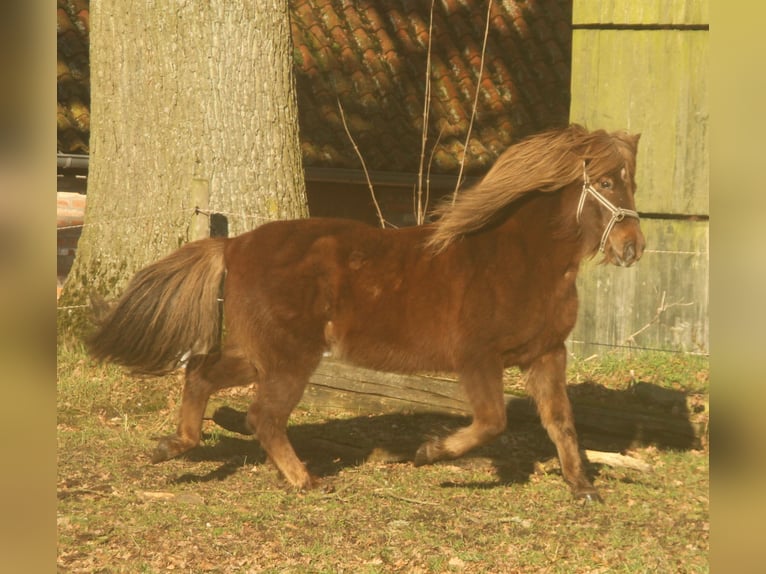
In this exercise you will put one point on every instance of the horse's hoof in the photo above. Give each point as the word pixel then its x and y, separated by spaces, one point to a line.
pixel 304 484
pixel 161 453
pixel 590 497
pixel 426 454
pixel 232 420
pixel 168 447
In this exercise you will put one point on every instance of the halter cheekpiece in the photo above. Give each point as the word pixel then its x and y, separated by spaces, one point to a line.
pixel 618 213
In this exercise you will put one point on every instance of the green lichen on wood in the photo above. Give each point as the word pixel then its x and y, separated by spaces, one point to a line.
pixel 641 13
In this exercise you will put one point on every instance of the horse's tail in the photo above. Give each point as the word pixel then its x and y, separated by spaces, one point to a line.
pixel 170 308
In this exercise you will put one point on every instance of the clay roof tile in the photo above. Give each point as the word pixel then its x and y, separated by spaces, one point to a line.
pixel 373 59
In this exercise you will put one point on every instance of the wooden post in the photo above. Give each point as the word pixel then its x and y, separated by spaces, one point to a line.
pixel 200 199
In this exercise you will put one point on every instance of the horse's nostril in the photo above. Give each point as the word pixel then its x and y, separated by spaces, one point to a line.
pixel 629 253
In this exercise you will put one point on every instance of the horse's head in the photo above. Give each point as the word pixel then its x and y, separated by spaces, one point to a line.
pixel 607 208
pixel 602 163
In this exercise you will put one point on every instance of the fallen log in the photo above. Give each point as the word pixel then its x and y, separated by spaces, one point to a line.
pixel 337 385
pixel 617 413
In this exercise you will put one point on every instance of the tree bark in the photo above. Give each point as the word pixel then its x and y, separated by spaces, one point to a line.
pixel 194 112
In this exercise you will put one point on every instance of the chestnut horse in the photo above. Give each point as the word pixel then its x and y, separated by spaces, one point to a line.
pixel 489 285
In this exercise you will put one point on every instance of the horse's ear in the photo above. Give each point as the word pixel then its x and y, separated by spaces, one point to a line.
pixel 630 139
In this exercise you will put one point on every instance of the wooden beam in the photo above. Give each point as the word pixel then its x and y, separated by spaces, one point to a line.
pixel 387 178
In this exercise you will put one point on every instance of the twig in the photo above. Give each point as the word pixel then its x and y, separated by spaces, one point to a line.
pixel 419 208
pixel 405 499
pixel 422 216
pixel 660 310
pixel 617 459
pixel 364 166
pixel 475 104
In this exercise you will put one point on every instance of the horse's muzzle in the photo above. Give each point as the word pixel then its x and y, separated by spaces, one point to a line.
pixel 630 253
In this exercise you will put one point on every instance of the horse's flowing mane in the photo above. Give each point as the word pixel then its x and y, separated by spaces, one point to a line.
pixel 545 162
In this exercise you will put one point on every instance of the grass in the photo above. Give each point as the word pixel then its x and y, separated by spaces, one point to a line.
pixel 688 373
pixel 222 508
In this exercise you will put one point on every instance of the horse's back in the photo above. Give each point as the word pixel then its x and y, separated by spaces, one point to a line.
pixel 290 260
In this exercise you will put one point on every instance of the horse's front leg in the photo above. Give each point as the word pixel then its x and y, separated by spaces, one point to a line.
pixel 546 383
pixel 482 383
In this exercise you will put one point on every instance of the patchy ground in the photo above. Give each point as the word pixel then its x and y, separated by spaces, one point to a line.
pixel 223 508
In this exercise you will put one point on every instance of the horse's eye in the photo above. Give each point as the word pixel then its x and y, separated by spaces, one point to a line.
pixel 605 184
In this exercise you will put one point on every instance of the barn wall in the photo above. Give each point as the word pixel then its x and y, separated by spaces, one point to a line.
pixel 643 66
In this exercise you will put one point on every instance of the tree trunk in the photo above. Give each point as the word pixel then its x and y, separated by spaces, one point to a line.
pixel 194 112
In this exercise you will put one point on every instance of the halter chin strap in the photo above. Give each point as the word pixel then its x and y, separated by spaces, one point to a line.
pixel 618 213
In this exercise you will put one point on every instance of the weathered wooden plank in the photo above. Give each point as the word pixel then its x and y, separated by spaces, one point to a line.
pixel 653 82
pixel 337 385
pixel 662 302
pixel 673 12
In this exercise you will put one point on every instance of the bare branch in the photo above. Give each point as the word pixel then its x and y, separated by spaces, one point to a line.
pixel 631 339
pixel 364 166
pixel 475 103
pixel 419 207
pixel 424 210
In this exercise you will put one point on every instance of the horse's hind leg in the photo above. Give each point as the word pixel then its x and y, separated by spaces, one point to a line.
pixel 483 386
pixel 205 374
pixel 546 382
pixel 267 417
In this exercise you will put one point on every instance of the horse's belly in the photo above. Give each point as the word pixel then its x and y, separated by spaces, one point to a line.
pixel 385 349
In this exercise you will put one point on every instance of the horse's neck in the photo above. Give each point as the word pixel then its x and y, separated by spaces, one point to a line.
pixel 546 224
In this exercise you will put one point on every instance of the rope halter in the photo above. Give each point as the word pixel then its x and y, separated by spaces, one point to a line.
pixel 618 213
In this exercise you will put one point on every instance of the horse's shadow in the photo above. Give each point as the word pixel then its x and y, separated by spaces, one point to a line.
pixel 606 420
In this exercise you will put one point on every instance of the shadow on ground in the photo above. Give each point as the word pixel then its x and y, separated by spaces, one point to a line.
pixel 607 420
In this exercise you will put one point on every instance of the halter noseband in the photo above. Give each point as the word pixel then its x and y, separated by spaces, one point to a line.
pixel 618 213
